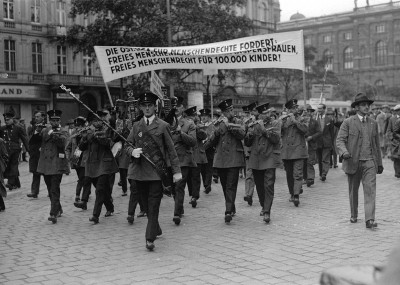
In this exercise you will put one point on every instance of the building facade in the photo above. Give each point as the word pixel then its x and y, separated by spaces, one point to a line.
pixel 361 46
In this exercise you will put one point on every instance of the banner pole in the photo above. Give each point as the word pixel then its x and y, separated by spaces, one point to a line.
pixel 304 88
pixel 212 100
pixel 109 95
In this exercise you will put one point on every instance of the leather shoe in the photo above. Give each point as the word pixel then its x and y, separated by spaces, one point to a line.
pixel 2 209
pixel 31 195
pixel 130 219
pixel 94 219
pixel 177 220
pixel 193 202
pixel 353 220
pixel 141 214
pixel 228 218
pixel 267 218
pixel 323 178
pixel 52 219
pixel 108 213
pixel 150 245
pixel 207 190
pixel 82 205
pixel 310 182
pixel 296 200
pixel 370 224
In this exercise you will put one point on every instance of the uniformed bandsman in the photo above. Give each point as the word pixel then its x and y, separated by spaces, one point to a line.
pixel 207 170
pixel 249 182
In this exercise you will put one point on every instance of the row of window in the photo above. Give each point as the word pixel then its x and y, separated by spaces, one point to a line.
pixel 10 55
pixel 36 10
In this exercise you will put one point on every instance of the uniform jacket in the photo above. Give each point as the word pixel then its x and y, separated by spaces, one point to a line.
pixel 12 135
pixel 185 141
pixel 264 146
pixel 35 142
pixel 210 150
pixel 140 169
pixel 293 139
pixel 229 150
pixel 100 159
pixel 389 131
pixel 325 140
pixel 314 131
pixel 53 159
pixel 122 158
pixel 199 150
pixel 72 145
pixel 349 140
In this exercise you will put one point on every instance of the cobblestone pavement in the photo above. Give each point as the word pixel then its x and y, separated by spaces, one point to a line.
pixel 294 249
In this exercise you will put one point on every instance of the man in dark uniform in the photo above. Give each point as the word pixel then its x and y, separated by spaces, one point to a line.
pixel 151 132
pixel 207 171
pixel 194 180
pixel 35 142
pixel 263 139
pixel 229 155
pixel 53 162
pixel 184 137
pixel 12 134
pixel 294 149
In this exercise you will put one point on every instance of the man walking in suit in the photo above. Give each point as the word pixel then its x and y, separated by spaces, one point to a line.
pixel 390 132
pixel 154 133
pixel 229 155
pixel 358 144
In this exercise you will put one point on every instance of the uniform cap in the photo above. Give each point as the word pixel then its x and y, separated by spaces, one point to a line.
pixel 9 115
pixel 309 108
pixel 79 121
pixel 291 103
pixel 54 114
pixel 226 104
pixel 252 106
pixel 205 112
pixel 148 97
pixel 191 111
pixel 262 108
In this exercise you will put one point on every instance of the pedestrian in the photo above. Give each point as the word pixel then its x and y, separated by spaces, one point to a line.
pixel 53 162
pixel 394 134
pixel 12 135
pixel 263 139
pixel 100 163
pixel 3 165
pixel 151 137
pixel 229 155
pixel 206 173
pixel 358 144
pixel 35 142
pixel 294 149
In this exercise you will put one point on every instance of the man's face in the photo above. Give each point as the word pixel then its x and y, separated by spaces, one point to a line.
pixel 54 122
pixel 294 109
pixel 254 112
pixel 205 119
pixel 97 123
pixel 310 113
pixel 179 110
pixel 228 113
pixel 263 116
pixel 363 108
pixel 321 110
pixel 386 110
pixel 9 121
pixel 148 109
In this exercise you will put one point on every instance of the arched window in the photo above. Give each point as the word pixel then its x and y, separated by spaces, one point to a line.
pixel 380 52
pixel 348 58
pixel 262 12
pixel 327 57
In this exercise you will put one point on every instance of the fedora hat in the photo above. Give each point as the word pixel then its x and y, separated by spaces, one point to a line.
pixel 359 98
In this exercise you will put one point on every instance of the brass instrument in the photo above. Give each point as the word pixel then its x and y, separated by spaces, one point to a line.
pixel 220 120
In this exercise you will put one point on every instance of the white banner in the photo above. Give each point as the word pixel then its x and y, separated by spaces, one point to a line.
pixel 281 50
pixel 156 85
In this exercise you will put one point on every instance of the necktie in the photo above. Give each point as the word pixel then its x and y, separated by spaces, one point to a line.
pixel 147 121
pixel 363 120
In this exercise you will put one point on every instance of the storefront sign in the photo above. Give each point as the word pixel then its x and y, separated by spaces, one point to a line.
pixel 66 96
pixel 24 92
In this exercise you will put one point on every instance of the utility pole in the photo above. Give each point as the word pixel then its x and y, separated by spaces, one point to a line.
pixel 169 34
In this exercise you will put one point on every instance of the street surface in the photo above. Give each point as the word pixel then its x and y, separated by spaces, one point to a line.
pixel 294 248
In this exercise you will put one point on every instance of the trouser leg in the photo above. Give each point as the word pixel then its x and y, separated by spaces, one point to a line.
pixel 354 184
pixel 53 186
pixel 326 155
pixel 80 172
pixel 396 166
pixel 195 181
pixel 269 188
pixel 297 176
pixel 259 182
pixel 112 181
pixel 319 160
pixel 208 174
pixel 189 182
pixel 249 182
pixel 86 189
pixel 35 186
pixel 154 195
pixel 180 191
pixel 310 165
pixel 103 194
pixel 123 177
pixel 232 179
pixel 369 187
pixel 133 198
pixel 2 205
pixel 289 175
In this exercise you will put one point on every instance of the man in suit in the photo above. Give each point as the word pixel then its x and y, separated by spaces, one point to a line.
pixel 13 134
pixel 294 149
pixel 325 141
pixel 229 155
pixel 100 163
pixel 358 144
pixel 263 139
pixel 35 141
pixel 207 171
pixel 199 153
pixel 249 182
pixel 184 137
pixel 53 162
pixel 148 181
pixel 389 132
pixel 312 135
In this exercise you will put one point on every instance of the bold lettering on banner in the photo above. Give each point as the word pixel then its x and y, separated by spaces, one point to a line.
pixel 205 59
pixel 110 51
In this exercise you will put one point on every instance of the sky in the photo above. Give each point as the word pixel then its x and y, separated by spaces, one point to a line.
pixel 316 8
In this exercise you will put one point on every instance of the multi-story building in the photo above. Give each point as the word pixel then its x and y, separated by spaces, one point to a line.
pixel 361 46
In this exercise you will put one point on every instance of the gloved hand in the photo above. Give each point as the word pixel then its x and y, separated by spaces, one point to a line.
pixel 137 152
pixel 380 169
pixel 346 155
pixel 177 177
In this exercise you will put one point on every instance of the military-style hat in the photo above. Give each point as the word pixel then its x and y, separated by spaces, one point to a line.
pixel 79 121
pixel 174 101
pixel 245 109
pixel 99 113
pixel 361 97
pixel 225 105
pixel 252 106
pixel 291 103
pixel 205 112
pixel 262 108
pixel 54 114
pixel 9 115
pixel 191 111
pixel 148 97
pixel 309 108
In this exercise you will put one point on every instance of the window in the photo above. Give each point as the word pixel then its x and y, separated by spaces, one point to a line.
pixel 62 60
pixel 347 36
pixel 328 59
pixel 35 11
pixel 348 58
pixel 380 52
pixel 262 12
pixel 307 41
pixel 9 55
pixel 380 28
pixel 8 9
pixel 37 58
pixel 87 64
pixel 327 39
pixel 362 51
pixel 379 83
pixel 61 15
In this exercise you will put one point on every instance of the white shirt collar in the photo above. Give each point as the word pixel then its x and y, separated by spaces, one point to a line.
pixel 361 117
pixel 151 119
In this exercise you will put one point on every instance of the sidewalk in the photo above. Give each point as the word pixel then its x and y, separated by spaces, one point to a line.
pixel 294 248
